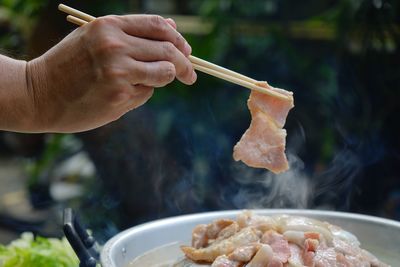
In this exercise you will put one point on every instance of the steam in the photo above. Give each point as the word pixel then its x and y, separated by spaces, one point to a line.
pixel 291 189
pixel 299 187
pixel 330 189
pixel 209 179
pixel 336 183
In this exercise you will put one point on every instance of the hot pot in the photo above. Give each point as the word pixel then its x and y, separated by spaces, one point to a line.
pixel 157 243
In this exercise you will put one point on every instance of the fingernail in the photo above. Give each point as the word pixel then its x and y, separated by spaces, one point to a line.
pixel 194 77
pixel 188 49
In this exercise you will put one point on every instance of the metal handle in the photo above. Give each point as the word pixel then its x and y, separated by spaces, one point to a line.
pixel 81 242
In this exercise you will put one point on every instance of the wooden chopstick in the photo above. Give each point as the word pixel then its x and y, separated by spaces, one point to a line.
pixel 76 13
pixel 212 66
pixel 80 18
pixel 75 20
pixel 237 80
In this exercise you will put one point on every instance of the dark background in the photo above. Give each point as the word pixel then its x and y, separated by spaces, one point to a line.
pixel 174 154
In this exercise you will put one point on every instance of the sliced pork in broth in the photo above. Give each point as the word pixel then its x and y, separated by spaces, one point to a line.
pixel 280 240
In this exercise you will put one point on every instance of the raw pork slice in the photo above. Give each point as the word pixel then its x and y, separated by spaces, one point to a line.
pixel 263 144
pixel 279 241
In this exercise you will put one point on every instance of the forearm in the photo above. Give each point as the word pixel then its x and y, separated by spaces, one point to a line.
pixel 16 105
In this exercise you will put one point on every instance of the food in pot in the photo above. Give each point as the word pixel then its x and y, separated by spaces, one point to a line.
pixel 280 240
pixel 263 144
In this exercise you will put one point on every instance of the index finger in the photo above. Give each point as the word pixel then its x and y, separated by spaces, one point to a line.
pixel 154 27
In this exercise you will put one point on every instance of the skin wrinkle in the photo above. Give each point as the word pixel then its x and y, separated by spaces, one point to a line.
pixel 30 88
pixel 45 97
pixel 16 111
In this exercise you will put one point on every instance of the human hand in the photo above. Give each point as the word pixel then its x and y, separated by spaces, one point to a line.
pixel 104 69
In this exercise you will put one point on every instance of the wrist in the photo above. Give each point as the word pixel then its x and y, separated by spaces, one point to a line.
pixel 37 90
pixel 15 105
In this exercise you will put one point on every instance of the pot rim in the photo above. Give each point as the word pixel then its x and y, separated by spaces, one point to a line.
pixel 107 260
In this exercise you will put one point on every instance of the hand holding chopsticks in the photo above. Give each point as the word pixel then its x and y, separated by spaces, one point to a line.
pixel 79 18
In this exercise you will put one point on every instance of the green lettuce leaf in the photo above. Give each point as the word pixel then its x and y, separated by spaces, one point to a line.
pixel 34 252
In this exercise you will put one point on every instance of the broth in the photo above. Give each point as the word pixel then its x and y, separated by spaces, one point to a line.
pixel 163 256
pixel 170 254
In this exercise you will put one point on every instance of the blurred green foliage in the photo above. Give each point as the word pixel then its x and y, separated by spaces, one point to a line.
pixel 55 146
pixel 288 43
pixel 18 17
pixel 27 8
pixel 339 58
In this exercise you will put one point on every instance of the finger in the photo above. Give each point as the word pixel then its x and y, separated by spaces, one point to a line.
pixel 149 51
pixel 171 22
pixel 140 95
pixel 155 28
pixel 135 97
pixel 153 74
